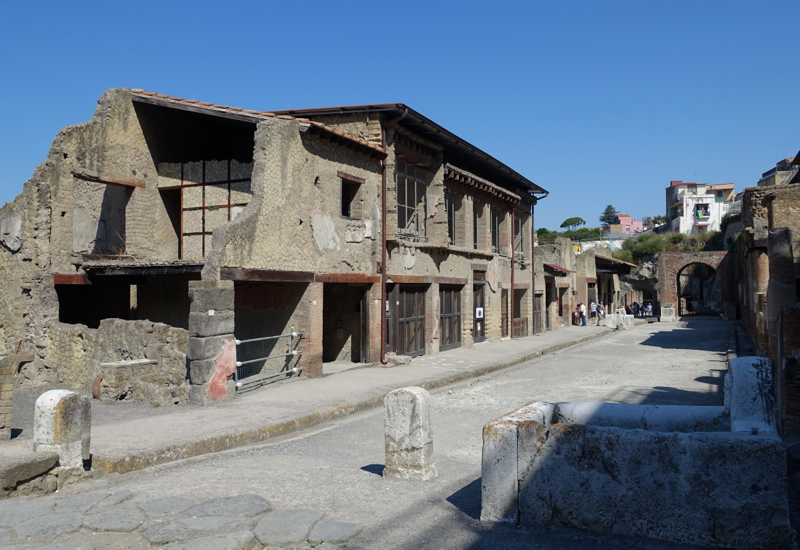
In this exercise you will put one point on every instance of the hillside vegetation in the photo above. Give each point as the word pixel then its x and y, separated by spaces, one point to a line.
pixel 650 244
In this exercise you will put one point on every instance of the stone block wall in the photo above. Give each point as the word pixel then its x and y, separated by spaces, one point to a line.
pixel 74 352
pixel 674 473
pixel 6 389
pixel 212 351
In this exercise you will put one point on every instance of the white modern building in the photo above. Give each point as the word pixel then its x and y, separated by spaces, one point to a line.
pixel 697 207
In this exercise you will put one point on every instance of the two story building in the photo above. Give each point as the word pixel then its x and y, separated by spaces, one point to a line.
pixel 354 231
pixel 697 207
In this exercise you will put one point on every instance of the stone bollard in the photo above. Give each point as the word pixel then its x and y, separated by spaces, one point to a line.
pixel 409 437
pixel 63 425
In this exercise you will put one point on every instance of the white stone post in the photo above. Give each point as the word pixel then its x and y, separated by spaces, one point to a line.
pixel 409 437
pixel 63 425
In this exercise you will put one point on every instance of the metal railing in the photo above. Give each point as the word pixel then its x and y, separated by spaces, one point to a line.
pixel 256 363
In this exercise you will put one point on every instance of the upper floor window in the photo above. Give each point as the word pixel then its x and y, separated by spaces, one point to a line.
pixel 412 187
pixel 351 205
pixel 477 214
pixel 519 235
pixel 450 208
pixel 495 225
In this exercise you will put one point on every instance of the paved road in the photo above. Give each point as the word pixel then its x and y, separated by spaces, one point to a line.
pixel 336 468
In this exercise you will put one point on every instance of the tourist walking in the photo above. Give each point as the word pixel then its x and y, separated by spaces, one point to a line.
pixel 601 312
pixel 583 314
pixel 593 311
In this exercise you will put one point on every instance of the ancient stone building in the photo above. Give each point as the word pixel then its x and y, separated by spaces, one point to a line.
pixel 172 230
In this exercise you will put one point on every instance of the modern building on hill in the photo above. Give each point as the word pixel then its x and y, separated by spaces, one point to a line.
pixel 697 207
pixel 785 172
pixel 625 225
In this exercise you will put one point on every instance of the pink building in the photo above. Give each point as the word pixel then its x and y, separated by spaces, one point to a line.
pixel 625 225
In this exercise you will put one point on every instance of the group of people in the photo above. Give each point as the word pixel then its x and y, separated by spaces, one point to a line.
pixel 596 311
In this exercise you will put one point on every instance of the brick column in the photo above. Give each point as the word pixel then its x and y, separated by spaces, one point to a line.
pixel 432 328
pixel 6 389
pixel 311 346
pixel 781 289
pixel 212 351
pixel 374 319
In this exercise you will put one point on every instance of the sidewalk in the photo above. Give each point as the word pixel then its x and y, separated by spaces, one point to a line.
pixel 132 436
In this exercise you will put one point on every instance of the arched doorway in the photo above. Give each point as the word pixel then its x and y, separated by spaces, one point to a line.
pixel 699 290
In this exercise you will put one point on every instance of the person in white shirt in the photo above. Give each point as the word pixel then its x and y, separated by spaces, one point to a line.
pixel 593 312
pixel 583 314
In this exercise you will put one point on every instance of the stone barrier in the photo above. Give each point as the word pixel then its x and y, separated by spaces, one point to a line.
pixel 408 434
pixel 63 425
pixel 667 313
pixel 712 476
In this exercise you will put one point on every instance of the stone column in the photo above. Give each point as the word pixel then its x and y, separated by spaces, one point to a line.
pixel 408 435
pixel 6 388
pixel 781 291
pixel 212 350
pixel 311 357
pixel 63 425
pixel 375 310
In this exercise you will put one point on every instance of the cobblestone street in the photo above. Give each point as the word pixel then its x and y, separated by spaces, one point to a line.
pixel 335 469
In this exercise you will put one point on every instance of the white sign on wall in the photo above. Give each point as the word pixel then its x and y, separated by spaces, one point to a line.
pixel 479 313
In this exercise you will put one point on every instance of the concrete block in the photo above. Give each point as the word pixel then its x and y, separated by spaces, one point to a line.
pixel 408 435
pixel 205 324
pixel 693 488
pixel 16 469
pixel 660 418
pixel 207 348
pixel 749 392
pixel 627 322
pixel 611 320
pixel 63 425
pixel 217 299
pixel 201 372
pixel 668 314
pixel 499 472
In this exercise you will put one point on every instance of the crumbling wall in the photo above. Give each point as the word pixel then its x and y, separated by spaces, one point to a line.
pixel 295 220
pixel 74 352
pixel 58 217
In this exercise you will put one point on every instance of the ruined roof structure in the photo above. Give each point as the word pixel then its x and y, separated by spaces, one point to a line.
pixel 164 229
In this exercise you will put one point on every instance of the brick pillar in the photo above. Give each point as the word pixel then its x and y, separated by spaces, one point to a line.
pixel 432 328
pixel 212 351
pixel 6 389
pixel 311 350
pixel 374 313
pixel 781 289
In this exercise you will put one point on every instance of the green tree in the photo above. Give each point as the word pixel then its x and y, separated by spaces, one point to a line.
pixel 572 223
pixel 544 235
pixel 608 215
pixel 659 220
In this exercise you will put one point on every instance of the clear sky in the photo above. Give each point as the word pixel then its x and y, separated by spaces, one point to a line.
pixel 598 102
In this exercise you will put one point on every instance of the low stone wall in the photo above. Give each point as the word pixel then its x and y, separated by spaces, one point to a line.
pixel 6 387
pixel 74 353
pixel 675 473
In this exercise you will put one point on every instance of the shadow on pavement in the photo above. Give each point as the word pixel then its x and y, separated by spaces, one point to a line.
pixel 468 499
pixel 376 469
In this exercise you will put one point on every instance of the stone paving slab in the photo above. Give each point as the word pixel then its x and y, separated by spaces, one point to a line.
pixel 192 528
pixel 35 523
pixel 286 526
pixel 165 506
pixel 230 541
pixel 121 518
pixel 240 505
pixel 333 531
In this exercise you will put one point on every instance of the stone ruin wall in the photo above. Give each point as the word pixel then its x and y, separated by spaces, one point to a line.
pixel 57 217
pixel 297 173
pixel 74 353
pixel 6 386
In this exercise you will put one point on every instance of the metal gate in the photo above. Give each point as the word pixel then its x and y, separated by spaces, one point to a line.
pixel 257 363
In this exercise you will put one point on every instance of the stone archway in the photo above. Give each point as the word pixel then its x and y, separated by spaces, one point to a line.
pixel 671 263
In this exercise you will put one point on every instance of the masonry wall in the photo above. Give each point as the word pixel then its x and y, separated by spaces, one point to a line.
pixel 6 388
pixel 294 222
pixel 74 352
pixel 58 218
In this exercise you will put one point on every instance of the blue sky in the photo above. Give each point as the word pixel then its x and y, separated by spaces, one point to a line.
pixel 598 102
